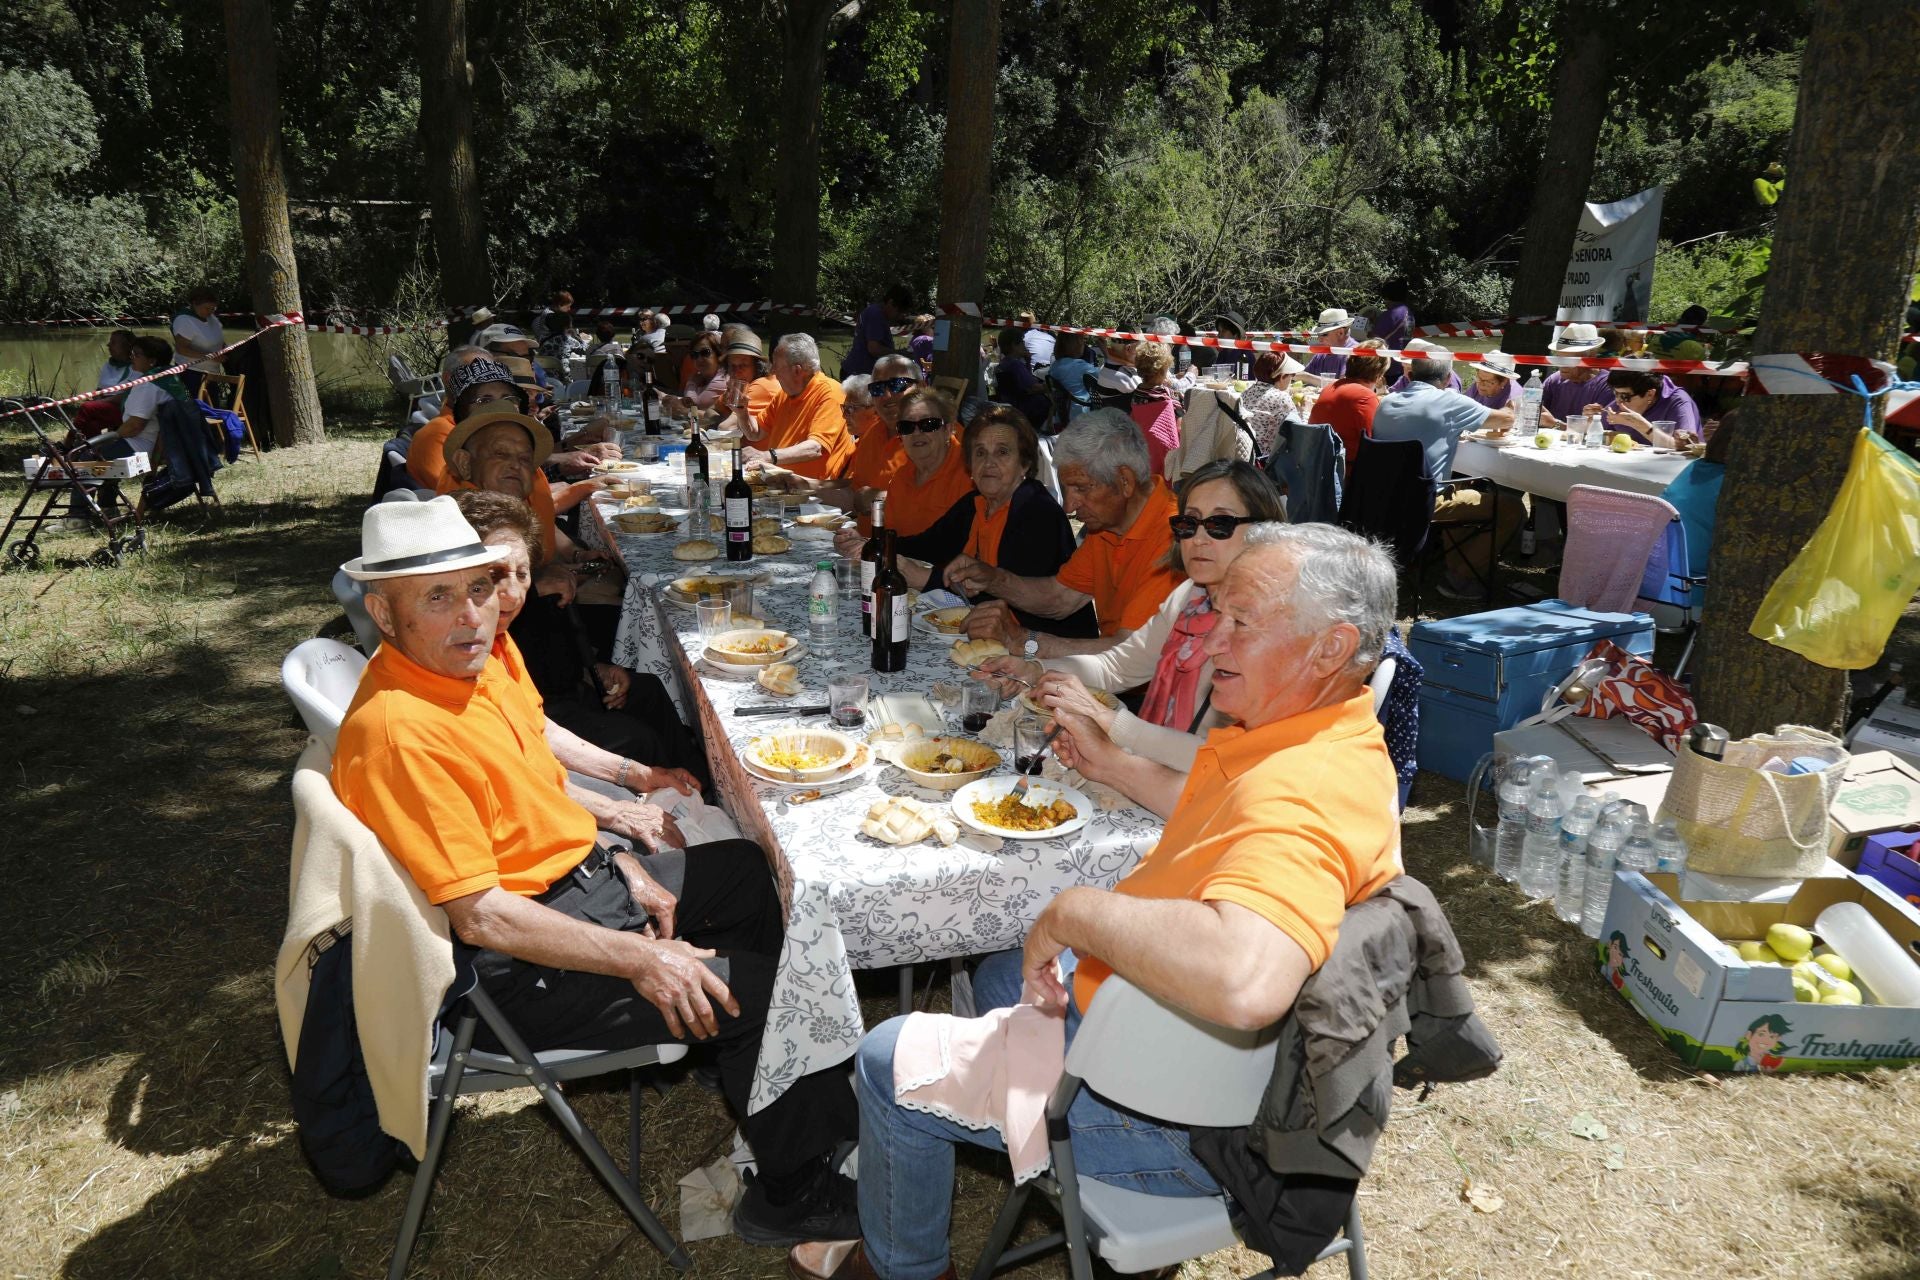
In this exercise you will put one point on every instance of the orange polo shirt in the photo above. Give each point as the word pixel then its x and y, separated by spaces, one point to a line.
pixel 912 507
pixel 1293 820
pixel 456 778
pixel 541 500
pixel 983 540
pixel 814 414
pixel 1126 573
pixel 427 451
pixel 761 393
pixel 876 452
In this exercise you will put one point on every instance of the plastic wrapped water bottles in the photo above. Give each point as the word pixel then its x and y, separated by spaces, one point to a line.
pixel 1514 794
pixel 1603 851
pixel 1669 849
pixel 1575 828
pixel 1540 850
pixel 1637 853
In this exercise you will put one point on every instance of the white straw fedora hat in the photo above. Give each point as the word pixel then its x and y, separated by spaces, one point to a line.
pixel 1501 363
pixel 1333 318
pixel 399 539
pixel 1427 350
pixel 1576 338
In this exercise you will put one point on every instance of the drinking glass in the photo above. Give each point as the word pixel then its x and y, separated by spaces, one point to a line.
pixel 1667 425
pixel 740 596
pixel 716 617
pixel 1029 733
pixel 978 702
pixel 847 573
pixel 847 700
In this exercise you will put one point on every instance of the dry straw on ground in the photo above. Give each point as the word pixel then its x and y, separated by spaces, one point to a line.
pixel 144 1132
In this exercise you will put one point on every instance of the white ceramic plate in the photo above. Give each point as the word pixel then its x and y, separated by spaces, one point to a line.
pixel 992 788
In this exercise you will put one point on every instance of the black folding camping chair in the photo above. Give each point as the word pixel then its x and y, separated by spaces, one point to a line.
pixel 70 487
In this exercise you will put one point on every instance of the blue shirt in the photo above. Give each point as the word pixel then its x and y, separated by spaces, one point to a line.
pixel 1453 384
pixel 1432 415
pixel 1070 374
pixel 1695 493
pixel 870 327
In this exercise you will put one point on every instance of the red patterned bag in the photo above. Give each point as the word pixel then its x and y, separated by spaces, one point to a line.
pixel 1656 702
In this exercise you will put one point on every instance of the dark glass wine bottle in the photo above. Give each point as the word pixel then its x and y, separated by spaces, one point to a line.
pixel 650 403
pixel 697 463
pixel 739 503
pixel 870 565
pixel 890 613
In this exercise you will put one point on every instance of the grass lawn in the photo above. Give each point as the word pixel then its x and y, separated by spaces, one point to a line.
pixel 146 750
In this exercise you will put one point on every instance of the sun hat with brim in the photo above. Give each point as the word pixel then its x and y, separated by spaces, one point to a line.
pixel 522 370
pixel 1576 338
pixel 492 414
pixel 494 334
pixel 404 539
pixel 1333 318
pixel 1498 362
pixel 745 342
pixel 1425 350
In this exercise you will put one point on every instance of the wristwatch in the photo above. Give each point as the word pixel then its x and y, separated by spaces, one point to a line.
pixel 1031 649
pixel 773 456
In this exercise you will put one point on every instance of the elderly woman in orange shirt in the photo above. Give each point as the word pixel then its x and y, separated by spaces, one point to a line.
pixel 1004 517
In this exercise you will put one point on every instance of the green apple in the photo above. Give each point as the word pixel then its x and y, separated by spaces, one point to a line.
pixel 1834 965
pixel 1805 992
pixel 1757 953
pixel 1623 443
pixel 1820 978
pixel 1543 439
pixel 1790 942
pixel 1842 993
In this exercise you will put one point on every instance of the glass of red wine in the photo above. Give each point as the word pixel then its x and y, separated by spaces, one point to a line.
pixel 1029 744
pixel 978 702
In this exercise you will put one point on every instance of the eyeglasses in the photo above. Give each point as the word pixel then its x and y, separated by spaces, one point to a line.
pixel 1219 528
pixel 706 353
pixel 891 386
pixel 928 425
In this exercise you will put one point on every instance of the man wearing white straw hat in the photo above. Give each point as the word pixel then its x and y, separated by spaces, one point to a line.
pixel 1567 392
pixel 1496 381
pixel 1334 328
pixel 1433 350
pixel 444 756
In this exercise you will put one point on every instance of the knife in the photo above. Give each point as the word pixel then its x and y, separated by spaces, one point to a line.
pixel 775 710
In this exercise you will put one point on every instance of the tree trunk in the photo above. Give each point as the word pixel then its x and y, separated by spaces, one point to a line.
pixel 1843 249
pixel 453 179
pixel 966 183
pixel 795 275
pixel 254 91
pixel 1566 167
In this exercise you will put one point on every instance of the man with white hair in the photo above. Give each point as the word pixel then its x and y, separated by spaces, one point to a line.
pixel 1121 567
pixel 803 430
pixel 710 322
pixel 1286 819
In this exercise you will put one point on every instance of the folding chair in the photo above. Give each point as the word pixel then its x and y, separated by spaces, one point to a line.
pixel 228 391
pixel 70 494
pixel 1196 1074
pixel 1668 581
pixel 1390 496
pixel 1611 535
pixel 955 389
pixel 320 676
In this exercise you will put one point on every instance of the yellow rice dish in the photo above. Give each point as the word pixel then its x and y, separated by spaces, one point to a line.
pixel 1015 814
pixel 778 757
pixel 757 646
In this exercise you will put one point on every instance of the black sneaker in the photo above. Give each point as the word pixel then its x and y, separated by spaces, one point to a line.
pixel 831 1211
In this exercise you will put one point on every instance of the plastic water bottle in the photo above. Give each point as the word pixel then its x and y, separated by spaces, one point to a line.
pixel 1540 851
pixel 1603 851
pixel 1530 404
pixel 1512 833
pixel 1669 850
pixel 1575 827
pixel 1637 853
pixel 1596 431
pixel 823 604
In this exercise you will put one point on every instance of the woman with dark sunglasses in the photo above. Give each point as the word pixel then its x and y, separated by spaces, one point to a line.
pixel 707 385
pixel 1167 655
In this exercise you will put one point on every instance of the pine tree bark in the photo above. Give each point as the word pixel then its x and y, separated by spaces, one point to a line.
pixel 254 94
pixel 795 275
pixel 1843 253
pixel 966 183
pixel 453 177
pixel 1566 167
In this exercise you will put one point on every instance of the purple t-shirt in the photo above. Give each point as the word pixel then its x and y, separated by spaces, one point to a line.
pixel 1393 326
pixel 870 327
pixel 1564 398
pixel 1508 393
pixel 1675 405
pixel 1453 384
pixel 1327 366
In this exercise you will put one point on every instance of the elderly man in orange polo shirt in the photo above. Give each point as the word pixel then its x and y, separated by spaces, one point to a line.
pixel 1124 563
pixel 444 756
pixel 1286 820
pixel 803 430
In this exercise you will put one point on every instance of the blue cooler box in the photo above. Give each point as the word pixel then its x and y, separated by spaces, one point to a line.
pixel 1488 671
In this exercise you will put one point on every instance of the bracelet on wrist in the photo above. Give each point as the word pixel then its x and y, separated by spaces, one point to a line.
pixel 626 766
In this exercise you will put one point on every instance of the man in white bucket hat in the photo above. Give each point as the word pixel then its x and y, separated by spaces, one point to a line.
pixel 1567 392
pixel 444 756
pixel 1334 328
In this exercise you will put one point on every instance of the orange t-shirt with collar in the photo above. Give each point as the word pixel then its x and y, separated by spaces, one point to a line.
pixel 983 540
pixel 541 500
pixel 1293 820
pixel 427 451
pixel 876 453
pixel 456 779
pixel 814 414
pixel 761 393
pixel 912 507
pixel 1126 573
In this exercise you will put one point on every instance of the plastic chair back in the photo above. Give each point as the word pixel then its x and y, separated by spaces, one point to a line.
pixel 1611 535
pixel 1196 1072
pixel 321 676
pixel 352 598
pixel 1382 680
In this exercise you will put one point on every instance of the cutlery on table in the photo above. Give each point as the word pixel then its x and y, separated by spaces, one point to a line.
pixel 1025 780
pixel 775 710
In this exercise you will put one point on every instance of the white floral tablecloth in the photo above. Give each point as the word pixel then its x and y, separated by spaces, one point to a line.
pixel 852 903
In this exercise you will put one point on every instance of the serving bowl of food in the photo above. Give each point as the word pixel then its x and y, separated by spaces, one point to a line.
pixel 947 622
pixel 801 754
pixel 752 646
pixel 1046 810
pixel 945 764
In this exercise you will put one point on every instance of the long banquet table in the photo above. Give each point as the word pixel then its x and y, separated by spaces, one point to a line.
pixel 1549 473
pixel 852 903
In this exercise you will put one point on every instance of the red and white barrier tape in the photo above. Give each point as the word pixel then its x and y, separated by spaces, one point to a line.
pixel 105 393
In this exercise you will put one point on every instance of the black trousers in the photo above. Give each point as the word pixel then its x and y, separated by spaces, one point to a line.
pixel 726 902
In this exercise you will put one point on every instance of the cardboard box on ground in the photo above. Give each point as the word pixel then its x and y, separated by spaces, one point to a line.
pixel 1668 960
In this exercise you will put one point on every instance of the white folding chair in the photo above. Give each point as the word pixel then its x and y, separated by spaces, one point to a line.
pixel 320 676
pixel 1195 1074
pixel 352 598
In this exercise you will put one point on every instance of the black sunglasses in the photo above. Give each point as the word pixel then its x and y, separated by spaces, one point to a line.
pixel 1219 528
pixel 928 425
pixel 891 386
pixel 706 353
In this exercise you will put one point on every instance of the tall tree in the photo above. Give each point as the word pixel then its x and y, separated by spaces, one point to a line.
pixel 446 135
pixel 805 26
pixel 1843 253
pixel 966 180
pixel 253 87
pixel 1566 168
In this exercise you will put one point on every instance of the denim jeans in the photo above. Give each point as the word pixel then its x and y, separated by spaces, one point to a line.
pixel 906 1157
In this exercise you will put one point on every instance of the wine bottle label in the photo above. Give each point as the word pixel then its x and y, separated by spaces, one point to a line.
pixel 899 617
pixel 739 511
pixel 867 568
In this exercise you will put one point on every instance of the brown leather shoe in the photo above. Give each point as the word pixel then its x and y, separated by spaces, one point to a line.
pixel 843 1260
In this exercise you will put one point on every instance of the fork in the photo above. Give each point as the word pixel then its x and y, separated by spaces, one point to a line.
pixel 1025 780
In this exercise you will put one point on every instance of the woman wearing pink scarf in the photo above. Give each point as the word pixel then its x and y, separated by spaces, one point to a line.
pixel 1167 655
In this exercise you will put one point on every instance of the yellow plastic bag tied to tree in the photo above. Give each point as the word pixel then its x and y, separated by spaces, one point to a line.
pixel 1837 602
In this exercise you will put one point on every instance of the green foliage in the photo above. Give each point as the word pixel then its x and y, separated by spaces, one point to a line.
pixel 1726 276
